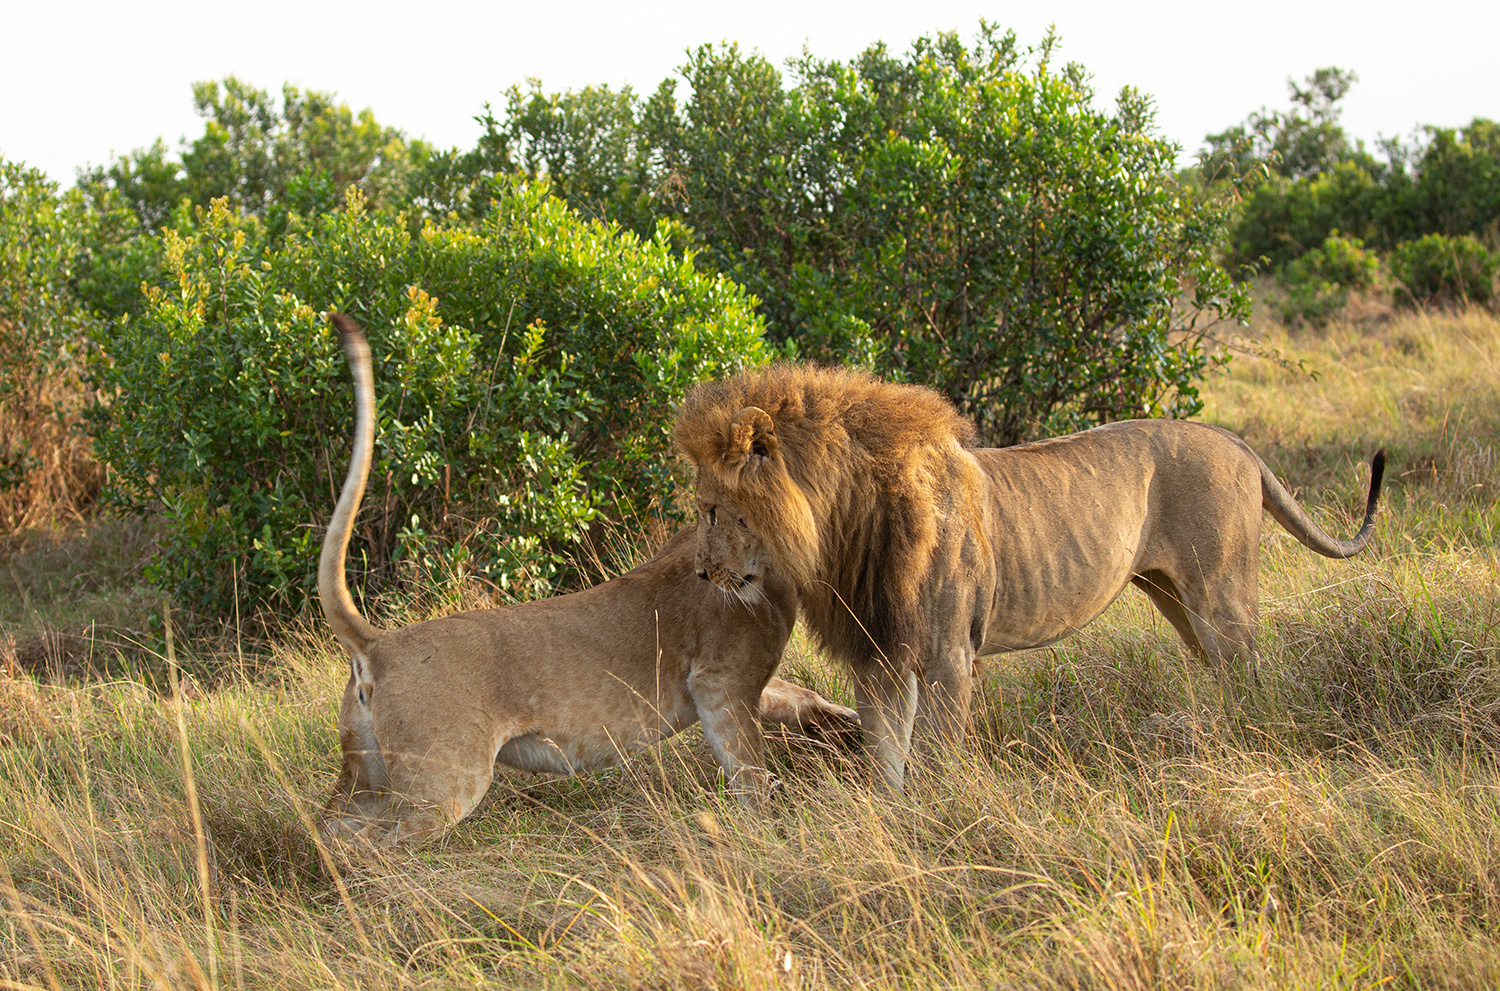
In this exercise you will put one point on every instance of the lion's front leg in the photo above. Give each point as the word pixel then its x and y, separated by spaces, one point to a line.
pixel 944 699
pixel 887 701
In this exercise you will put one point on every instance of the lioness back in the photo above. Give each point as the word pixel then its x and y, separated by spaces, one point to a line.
pixel 659 610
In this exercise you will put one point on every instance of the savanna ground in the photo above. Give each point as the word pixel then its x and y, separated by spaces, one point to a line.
pixel 1121 817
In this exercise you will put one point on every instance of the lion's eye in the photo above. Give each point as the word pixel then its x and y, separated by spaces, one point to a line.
pixel 743 523
pixel 713 517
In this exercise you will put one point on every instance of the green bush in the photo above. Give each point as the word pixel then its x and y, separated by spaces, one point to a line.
pixel 525 370
pixel 1283 218
pixel 987 231
pixel 1319 283
pixel 961 216
pixel 1457 186
pixel 1318 180
pixel 1437 270
pixel 268 158
pixel 51 243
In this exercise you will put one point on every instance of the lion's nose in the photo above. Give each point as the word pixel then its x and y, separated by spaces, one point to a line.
pixel 703 573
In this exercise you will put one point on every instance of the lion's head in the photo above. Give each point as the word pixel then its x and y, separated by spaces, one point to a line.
pixel 748 480
pixel 828 476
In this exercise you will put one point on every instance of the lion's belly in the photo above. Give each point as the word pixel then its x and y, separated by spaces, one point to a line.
pixel 1050 584
pixel 1070 519
pixel 1064 613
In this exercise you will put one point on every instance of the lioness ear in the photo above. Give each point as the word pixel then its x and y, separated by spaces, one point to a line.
pixel 754 433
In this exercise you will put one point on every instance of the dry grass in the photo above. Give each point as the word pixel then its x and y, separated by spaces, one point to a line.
pixel 1120 819
pixel 48 475
pixel 74 601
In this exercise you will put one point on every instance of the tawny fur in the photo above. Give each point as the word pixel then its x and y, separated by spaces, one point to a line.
pixel 851 502
pixel 562 685
pixel 917 553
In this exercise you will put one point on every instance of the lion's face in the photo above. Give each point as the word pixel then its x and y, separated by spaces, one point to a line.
pixel 729 553
pixel 752 516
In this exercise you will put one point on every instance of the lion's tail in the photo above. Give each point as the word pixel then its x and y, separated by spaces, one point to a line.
pixel 352 629
pixel 1285 510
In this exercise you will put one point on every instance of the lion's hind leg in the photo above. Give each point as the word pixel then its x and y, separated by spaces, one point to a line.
pixel 1217 625
pixel 1163 593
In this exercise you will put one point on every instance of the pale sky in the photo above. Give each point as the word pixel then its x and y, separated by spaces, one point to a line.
pixel 82 81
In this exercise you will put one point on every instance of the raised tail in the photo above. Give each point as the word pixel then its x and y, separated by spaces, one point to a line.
pixel 352 629
pixel 1285 510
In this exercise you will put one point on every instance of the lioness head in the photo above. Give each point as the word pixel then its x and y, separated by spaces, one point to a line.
pixel 729 553
pixel 751 515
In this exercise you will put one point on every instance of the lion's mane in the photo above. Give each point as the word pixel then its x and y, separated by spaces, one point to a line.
pixel 854 518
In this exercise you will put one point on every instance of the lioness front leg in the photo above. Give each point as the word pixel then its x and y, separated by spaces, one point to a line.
pixel 729 712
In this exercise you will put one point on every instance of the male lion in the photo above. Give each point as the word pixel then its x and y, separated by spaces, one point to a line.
pixel 915 552
pixel 561 685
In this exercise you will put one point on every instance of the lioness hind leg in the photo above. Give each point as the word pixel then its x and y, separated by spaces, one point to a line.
pixel 389 795
pixel 438 774
pixel 887 702
pixel 355 806
pixel 360 798
pixel 388 817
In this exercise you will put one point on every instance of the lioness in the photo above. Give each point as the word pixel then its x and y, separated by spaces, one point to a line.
pixel 561 685
pixel 916 552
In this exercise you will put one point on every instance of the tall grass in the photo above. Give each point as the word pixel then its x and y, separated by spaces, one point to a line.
pixel 1120 818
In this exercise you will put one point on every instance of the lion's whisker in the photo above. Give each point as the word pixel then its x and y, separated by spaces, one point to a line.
pixel 750 594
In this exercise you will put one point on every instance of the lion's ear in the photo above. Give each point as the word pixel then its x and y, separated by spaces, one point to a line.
pixel 753 433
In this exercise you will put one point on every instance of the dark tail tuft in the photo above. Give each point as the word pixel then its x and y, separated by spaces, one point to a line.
pixel 1377 473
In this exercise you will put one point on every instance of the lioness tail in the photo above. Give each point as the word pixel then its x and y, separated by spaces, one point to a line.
pixel 353 631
